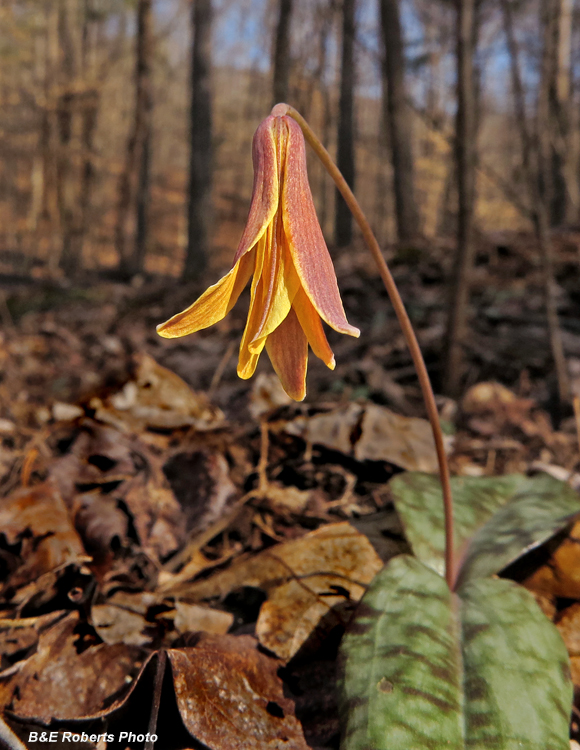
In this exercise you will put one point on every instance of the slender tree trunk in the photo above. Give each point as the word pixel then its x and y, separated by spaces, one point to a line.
pixel 551 191
pixel 563 140
pixel 398 116
pixel 533 166
pixel 49 146
pixel 281 62
pixel 345 146
pixel 200 167
pixel 465 159
pixel 68 133
pixel 325 19
pixel 550 173
pixel 133 190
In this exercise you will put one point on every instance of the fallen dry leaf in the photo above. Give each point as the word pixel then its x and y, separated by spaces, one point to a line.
pixel 19 635
pixel 37 520
pixel 267 394
pixel 191 618
pixel 304 579
pixel 372 433
pixel 560 576
pixel 116 624
pixel 404 441
pixel 492 407
pixel 61 681
pixel 334 429
pixel 156 398
pixel 229 696
pixel 200 480
pixel 156 514
pixel 102 525
pixel 304 609
pixel 569 626
pixel 287 498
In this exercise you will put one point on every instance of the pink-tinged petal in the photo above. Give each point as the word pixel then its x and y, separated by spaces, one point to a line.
pixel 280 284
pixel 248 360
pixel 287 348
pixel 266 189
pixel 309 319
pixel 309 252
pixel 213 305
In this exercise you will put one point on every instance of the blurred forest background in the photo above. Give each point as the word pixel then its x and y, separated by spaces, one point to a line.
pixel 125 142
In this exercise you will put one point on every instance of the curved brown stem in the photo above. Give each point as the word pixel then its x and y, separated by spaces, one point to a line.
pixel 404 322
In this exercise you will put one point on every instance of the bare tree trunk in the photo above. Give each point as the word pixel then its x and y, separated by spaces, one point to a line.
pixel 567 156
pixel 281 62
pixel 397 115
pixel 345 145
pixel 465 159
pixel 549 167
pixel 68 134
pixel 200 167
pixel 133 190
pixel 48 143
pixel 533 167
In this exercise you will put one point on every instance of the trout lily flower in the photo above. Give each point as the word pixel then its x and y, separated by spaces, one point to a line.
pixel 282 249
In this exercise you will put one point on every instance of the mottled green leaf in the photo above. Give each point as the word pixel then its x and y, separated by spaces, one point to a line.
pixel 518 690
pixel 419 503
pixel 541 507
pixel 424 669
pixel 401 686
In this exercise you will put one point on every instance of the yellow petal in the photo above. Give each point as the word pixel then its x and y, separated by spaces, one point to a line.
pixel 213 305
pixel 248 360
pixel 280 284
pixel 309 252
pixel 287 348
pixel 309 319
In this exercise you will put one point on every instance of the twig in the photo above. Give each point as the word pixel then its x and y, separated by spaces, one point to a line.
pixel 406 327
pixel 263 463
pixel 27 467
pixel 157 687
pixel 219 371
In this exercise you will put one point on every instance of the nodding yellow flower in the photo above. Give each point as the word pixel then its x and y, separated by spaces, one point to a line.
pixel 283 250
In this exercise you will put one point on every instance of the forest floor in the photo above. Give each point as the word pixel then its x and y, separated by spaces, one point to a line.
pixel 143 487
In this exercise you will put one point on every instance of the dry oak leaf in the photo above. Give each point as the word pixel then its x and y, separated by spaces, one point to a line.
pixel 157 398
pixel 229 696
pixel 372 433
pixel 38 519
pixel 304 578
pixel 59 682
